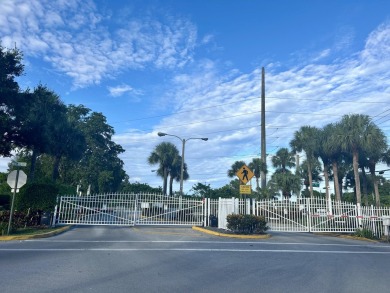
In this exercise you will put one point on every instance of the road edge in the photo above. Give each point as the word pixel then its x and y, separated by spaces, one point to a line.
pixel 34 236
pixel 200 229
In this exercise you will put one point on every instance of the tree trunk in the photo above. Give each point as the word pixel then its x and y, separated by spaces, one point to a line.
pixel 326 176
pixel 365 192
pixel 170 185
pixel 357 178
pixel 165 181
pixel 56 166
pixel 376 189
pixel 336 180
pixel 33 164
pixel 310 179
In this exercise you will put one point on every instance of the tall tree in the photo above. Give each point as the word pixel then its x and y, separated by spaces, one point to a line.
pixel 376 152
pixel 11 100
pixel 235 168
pixel 354 137
pixel 164 154
pixel 40 124
pixel 175 173
pixel 283 160
pixel 306 140
pixel 258 166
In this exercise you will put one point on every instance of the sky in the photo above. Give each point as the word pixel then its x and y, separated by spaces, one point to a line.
pixel 193 69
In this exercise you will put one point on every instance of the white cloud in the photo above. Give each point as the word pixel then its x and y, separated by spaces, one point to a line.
pixel 93 51
pixel 229 108
pixel 123 89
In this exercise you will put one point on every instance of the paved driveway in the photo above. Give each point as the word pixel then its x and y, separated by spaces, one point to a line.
pixel 155 259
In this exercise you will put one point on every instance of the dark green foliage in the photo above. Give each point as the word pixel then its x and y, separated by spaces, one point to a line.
pixel 37 197
pixel 246 224
pixel 19 220
pixel 139 188
pixel 365 233
pixel 5 201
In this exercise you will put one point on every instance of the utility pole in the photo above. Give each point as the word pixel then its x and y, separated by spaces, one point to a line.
pixel 263 150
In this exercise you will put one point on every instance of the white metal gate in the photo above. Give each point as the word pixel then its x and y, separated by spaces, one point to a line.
pixel 129 209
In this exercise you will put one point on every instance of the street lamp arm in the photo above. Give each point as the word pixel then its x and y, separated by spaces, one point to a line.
pixel 183 140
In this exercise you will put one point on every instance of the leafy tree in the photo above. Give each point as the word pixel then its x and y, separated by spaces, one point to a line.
pixel 354 137
pixel 175 173
pixel 202 190
pixel 258 166
pixel 164 154
pixel 11 100
pixel 235 168
pixel 138 187
pixel 316 170
pixel 306 140
pixel 283 160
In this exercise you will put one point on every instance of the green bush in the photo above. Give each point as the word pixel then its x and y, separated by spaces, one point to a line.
pixel 19 220
pixel 246 224
pixel 5 201
pixel 365 233
pixel 37 197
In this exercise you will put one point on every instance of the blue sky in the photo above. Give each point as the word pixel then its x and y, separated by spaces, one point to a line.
pixel 193 69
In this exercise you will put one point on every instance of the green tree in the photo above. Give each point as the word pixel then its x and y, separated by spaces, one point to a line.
pixel 354 137
pixel 306 140
pixel 11 100
pixel 258 166
pixel 175 173
pixel 235 168
pixel 164 154
pixel 283 160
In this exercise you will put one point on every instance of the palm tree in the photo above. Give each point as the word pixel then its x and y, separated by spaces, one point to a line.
pixel 283 159
pixel 332 148
pixel 164 154
pixel 376 153
pixel 235 168
pixel 354 138
pixel 175 173
pixel 325 156
pixel 316 170
pixel 306 139
pixel 258 166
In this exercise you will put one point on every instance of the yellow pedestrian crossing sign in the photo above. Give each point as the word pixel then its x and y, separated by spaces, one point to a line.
pixel 245 174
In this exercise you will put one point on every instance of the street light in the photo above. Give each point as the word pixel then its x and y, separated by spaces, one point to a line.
pixel 183 140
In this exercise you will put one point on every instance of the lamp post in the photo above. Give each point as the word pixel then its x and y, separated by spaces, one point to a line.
pixel 183 140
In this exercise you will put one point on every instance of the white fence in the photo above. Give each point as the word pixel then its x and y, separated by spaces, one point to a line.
pixel 304 215
pixel 129 209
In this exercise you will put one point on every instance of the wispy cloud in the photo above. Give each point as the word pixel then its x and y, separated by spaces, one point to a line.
pixel 93 52
pixel 123 89
pixel 225 106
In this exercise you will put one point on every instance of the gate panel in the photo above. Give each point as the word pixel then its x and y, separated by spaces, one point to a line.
pixel 335 216
pixel 109 209
pixel 165 210
pixel 129 209
pixel 284 215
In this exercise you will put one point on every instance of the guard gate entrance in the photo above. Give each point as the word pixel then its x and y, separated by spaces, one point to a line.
pixel 128 210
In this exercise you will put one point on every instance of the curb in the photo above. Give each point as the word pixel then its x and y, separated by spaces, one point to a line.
pixel 34 236
pixel 200 229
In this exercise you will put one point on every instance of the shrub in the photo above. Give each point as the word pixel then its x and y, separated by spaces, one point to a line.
pixel 246 224
pixel 365 233
pixel 19 220
pixel 37 197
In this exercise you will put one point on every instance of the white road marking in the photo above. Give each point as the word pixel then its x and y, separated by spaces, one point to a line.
pixel 207 242
pixel 191 250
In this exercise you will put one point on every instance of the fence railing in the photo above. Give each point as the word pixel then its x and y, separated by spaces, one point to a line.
pixel 303 215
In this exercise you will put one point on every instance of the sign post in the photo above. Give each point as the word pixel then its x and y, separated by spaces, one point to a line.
pixel 15 180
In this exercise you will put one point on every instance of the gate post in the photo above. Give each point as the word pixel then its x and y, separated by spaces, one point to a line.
pixel 135 209
pixel 308 214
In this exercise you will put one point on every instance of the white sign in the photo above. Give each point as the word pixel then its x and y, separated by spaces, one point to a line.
pixel 11 179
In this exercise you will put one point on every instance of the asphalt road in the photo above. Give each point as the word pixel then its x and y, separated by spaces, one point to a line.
pixel 155 259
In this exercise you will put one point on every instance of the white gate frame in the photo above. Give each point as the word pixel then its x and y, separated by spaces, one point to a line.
pixel 128 209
